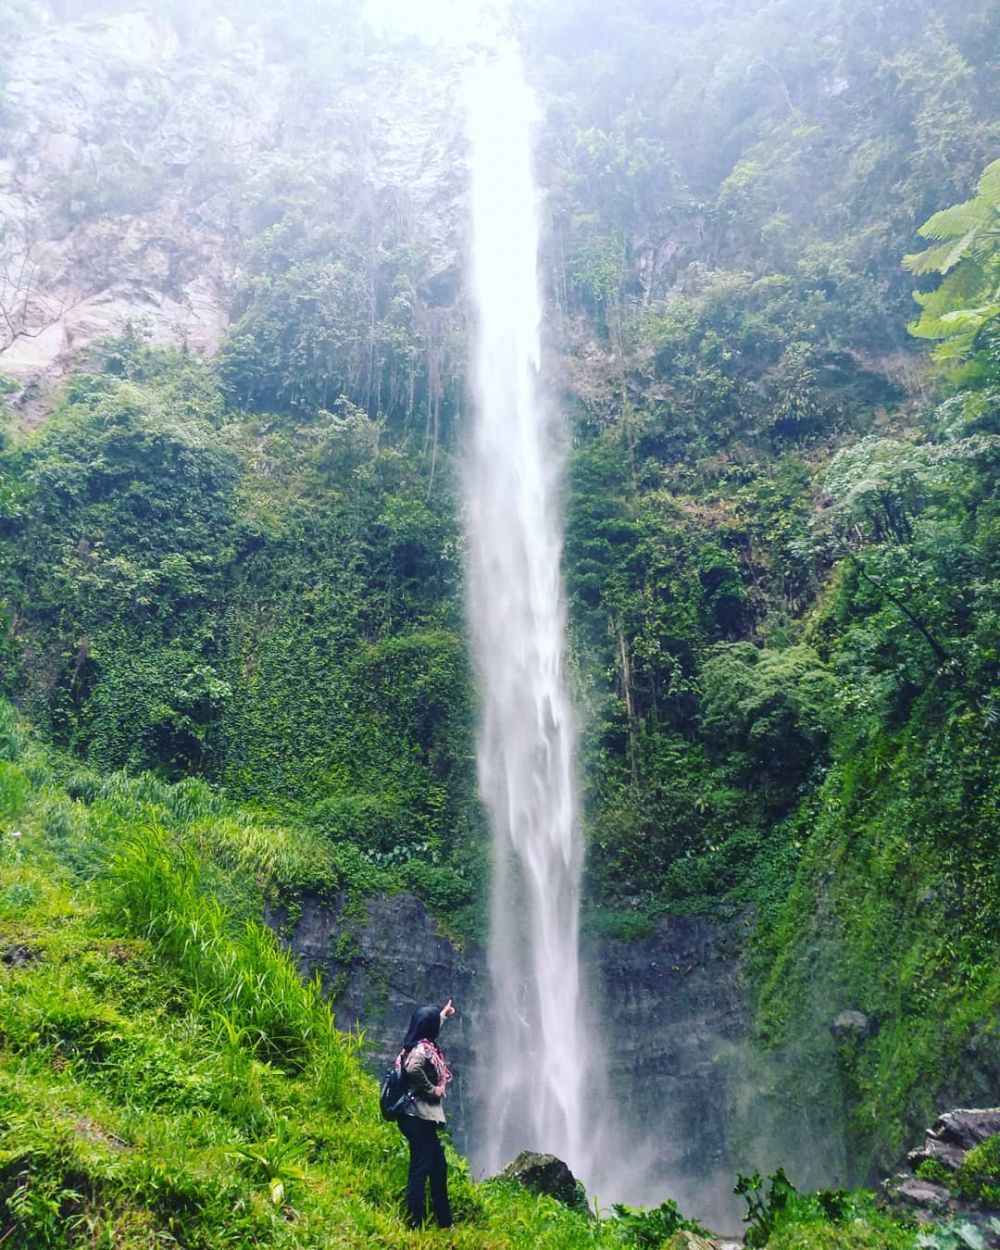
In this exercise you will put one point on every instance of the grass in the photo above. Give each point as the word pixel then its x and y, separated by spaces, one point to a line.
pixel 166 1077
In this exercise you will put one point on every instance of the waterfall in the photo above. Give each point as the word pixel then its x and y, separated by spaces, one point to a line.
pixel 535 1059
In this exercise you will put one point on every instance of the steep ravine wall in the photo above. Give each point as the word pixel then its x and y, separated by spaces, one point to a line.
pixel 132 162
pixel 691 1088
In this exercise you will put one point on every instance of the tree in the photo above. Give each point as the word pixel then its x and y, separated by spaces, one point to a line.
pixel 773 707
pixel 962 314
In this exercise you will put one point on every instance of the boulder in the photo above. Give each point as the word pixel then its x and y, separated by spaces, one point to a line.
pixel 545 1174
pixel 946 1143
pixel 965 1128
pixel 947 1155
pixel 851 1026
pixel 684 1240
pixel 926 1199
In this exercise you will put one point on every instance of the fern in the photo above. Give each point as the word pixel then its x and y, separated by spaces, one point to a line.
pixel 962 312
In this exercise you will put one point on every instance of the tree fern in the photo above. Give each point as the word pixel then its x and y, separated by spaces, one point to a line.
pixel 963 311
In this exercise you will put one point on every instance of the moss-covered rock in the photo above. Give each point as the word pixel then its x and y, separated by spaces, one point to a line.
pixel 545 1174
pixel 686 1240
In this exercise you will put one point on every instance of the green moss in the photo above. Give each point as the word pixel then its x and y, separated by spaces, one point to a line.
pixel 978 1177
pixel 623 925
pixel 903 840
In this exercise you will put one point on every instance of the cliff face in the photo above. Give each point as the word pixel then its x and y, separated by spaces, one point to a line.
pixel 111 213
pixel 138 159
pixel 693 1091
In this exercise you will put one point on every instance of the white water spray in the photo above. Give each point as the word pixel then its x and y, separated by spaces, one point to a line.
pixel 535 1064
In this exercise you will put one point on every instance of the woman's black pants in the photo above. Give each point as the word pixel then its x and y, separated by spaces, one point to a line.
pixel 426 1161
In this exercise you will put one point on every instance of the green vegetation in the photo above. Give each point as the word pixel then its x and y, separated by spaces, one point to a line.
pixel 270 603
pixel 978 1176
pixel 649 1229
pixel 165 1075
pixel 244 576
pixel 783 1219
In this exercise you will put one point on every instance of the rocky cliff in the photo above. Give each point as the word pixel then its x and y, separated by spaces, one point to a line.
pixel 698 1100
pixel 137 159
pixel 111 215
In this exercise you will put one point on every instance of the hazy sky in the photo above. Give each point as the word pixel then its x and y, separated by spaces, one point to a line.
pixel 448 21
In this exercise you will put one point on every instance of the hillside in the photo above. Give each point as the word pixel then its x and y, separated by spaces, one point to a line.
pixel 165 1075
pixel 231 553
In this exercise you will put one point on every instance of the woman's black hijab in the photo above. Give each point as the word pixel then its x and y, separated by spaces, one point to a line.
pixel 424 1023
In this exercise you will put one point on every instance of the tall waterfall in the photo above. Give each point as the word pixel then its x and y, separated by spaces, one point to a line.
pixel 536 1057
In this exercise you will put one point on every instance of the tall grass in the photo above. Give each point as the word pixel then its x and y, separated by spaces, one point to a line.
pixel 236 970
pixel 13 733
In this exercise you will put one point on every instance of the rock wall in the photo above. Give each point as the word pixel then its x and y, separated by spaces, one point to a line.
pixel 698 1101
pixel 111 213
pixel 134 156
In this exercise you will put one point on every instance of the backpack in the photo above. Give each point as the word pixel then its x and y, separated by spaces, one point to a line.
pixel 393 1096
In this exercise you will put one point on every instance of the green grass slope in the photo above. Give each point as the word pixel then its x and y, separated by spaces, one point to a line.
pixel 166 1077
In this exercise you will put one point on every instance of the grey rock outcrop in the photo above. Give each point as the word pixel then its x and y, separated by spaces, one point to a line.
pixel 964 1129
pixel 545 1174
pixel 928 1198
pixel 946 1145
pixel 953 1135
pixel 106 222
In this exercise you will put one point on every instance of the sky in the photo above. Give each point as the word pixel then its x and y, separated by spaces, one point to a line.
pixel 459 22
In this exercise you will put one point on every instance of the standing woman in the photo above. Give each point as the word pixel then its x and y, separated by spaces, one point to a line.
pixel 427 1078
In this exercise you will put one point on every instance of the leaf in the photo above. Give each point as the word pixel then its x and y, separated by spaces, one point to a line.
pixel 989 185
pixel 277 1190
pixel 941 258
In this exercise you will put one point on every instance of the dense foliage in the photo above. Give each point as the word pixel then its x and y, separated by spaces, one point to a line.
pixel 782 535
pixel 165 1075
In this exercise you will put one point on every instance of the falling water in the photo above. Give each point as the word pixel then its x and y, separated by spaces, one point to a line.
pixel 534 1066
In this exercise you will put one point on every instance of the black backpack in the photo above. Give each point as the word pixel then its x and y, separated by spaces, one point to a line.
pixel 393 1096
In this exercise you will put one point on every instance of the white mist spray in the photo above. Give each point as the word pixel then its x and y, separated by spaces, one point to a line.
pixel 536 1061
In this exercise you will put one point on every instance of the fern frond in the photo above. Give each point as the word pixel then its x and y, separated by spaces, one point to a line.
pixel 941 258
pixel 971 216
pixel 989 183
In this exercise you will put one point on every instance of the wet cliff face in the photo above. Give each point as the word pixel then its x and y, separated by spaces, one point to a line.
pixel 112 212
pixel 698 1101
pixel 139 156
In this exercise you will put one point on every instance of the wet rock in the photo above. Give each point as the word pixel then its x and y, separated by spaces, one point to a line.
pixel 965 1128
pixel 545 1174
pixel 681 1019
pixel 19 956
pixel 927 1199
pixel 379 967
pixel 851 1026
